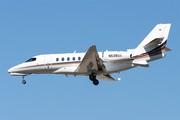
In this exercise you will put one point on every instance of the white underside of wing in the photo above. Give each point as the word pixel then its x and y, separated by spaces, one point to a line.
pixel 107 77
pixel 93 64
pixel 89 62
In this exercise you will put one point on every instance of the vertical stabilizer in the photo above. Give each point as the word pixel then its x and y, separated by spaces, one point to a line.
pixel 156 37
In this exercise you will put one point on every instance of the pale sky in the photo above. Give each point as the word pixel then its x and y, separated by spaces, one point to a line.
pixel 34 27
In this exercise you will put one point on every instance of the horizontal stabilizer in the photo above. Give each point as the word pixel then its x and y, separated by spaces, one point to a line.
pixel 154 42
pixel 141 63
pixel 167 49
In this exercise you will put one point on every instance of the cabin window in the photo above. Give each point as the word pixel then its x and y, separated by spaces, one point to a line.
pixel 31 60
pixel 68 59
pixel 79 58
pixel 57 59
pixel 74 58
pixel 62 59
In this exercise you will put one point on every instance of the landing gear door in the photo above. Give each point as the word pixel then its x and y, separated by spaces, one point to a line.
pixel 47 62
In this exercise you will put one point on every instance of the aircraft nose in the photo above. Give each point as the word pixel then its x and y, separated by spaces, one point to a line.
pixel 10 70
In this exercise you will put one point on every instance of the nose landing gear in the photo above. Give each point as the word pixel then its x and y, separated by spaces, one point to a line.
pixel 24 82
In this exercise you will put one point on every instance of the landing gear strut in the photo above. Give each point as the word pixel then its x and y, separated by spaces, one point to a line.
pixel 93 78
pixel 24 82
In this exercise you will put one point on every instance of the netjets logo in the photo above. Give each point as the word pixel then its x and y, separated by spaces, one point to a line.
pixel 115 55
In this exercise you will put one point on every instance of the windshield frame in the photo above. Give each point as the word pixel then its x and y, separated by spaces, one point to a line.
pixel 31 59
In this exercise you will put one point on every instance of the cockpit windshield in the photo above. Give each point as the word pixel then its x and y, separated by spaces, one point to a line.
pixel 31 60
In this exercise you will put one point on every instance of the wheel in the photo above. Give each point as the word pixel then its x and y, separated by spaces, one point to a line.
pixel 24 82
pixel 95 82
pixel 92 77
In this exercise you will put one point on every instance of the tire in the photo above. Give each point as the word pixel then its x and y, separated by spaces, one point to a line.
pixel 24 82
pixel 95 82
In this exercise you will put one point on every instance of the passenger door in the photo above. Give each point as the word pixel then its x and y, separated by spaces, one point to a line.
pixel 48 62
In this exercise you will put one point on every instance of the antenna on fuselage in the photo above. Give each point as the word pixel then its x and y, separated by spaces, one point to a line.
pixel 74 51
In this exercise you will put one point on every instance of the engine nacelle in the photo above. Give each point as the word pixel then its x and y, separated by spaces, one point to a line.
pixel 116 55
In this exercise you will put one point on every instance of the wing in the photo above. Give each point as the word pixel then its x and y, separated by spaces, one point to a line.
pixel 93 64
pixel 107 77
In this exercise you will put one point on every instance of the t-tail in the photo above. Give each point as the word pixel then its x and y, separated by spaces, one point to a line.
pixel 153 46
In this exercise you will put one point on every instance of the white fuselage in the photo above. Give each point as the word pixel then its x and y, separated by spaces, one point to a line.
pixel 114 61
pixel 98 65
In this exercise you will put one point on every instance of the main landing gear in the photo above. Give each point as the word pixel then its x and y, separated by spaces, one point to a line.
pixel 93 78
pixel 24 82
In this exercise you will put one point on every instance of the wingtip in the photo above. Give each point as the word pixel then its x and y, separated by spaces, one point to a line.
pixel 118 79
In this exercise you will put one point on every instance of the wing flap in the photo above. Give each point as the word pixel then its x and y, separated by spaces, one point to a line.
pixel 107 77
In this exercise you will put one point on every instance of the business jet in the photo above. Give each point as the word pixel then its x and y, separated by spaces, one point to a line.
pixel 98 65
